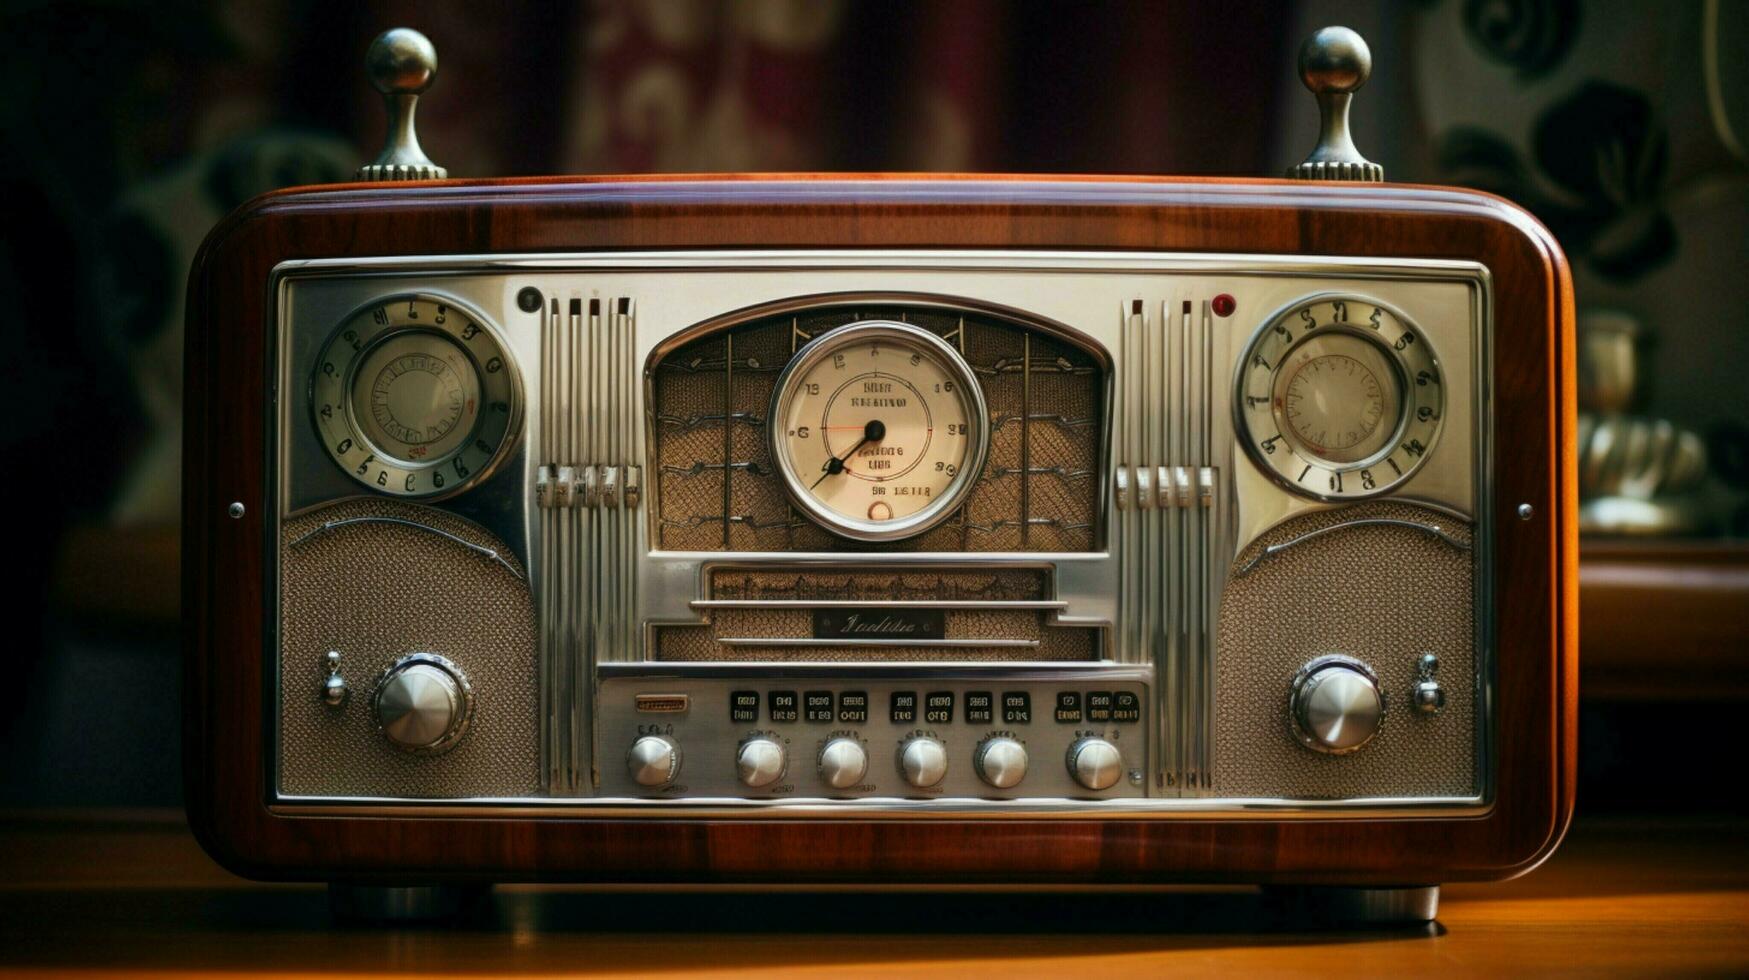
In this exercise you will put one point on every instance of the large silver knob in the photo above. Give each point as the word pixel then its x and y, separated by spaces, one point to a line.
pixel 423 703
pixel 923 761
pixel 402 63
pixel 1334 63
pixel 653 761
pixel 1336 704
pixel 759 763
pixel 1001 762
pixel 843 763
pixel 1095 763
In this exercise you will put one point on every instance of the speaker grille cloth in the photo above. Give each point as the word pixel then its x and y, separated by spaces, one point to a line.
pixel 376 592
pixel 1380 594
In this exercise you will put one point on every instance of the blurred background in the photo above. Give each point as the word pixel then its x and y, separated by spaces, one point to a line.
pixel 132 127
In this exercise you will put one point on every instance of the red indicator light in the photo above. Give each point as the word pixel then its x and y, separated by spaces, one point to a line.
pixel 1224 305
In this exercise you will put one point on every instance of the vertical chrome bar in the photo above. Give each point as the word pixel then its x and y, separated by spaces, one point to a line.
pixel 629 457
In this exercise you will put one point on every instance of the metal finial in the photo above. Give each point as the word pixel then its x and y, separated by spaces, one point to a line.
pixel 1334 63
pixel 402 63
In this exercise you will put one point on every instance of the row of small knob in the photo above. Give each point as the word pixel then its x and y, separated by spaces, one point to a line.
pixel 1096 764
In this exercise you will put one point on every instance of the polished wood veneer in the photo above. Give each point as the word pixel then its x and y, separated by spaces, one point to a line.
pixel 226 724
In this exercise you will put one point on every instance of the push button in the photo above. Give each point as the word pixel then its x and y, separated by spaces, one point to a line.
pixel 938 708
pixel 1069 707
pixel 904 707
pixel 744 707
pixel 783 705
pixel 1125 706
pixel 1016 708
pixel 1098 705
pixel 978 707
pixel 818 706
pixel 853 708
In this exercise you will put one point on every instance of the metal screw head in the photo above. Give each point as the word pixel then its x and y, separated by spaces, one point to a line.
pixel 401 61
pixel 528 299
pixel 1335 59
pixel 1525 511
pixel 235 510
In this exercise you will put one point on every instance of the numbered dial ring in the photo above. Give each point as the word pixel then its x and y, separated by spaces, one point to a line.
pixel 878 429
pixel 1339 397
pixel 415 396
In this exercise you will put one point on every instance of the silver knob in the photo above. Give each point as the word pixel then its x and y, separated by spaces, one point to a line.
pixel 843 763
pixel 923 761
pixel 653 761
pixel 760 762
pixel 423 703
pixel 334 689
pixel 1334 63
pixel 402 63
pixel 1336 705
pixel 1095 763
pixel 1001 762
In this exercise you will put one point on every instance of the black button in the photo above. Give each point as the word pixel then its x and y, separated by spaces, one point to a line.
pixel 1098 705
pixel 978 709
pixel 1016 708
pixel 938 708
pixel 783 705
pixel 744 706
pixel 1126 706
pixel 817 706
pixel 904 707
pixel 1069 707
pixel 853 707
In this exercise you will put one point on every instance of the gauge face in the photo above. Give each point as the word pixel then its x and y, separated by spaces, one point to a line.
pixel 415 396
pixel 879 430
pixel 1339 397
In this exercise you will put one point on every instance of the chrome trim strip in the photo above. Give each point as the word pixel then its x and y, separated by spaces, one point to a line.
pixel 878 604
pixel 1369 808
pixel 1432 530
pixel 328 526
pixel 810 641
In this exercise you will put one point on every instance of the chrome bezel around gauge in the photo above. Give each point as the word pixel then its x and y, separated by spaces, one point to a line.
pixel 971 394
pixel 451 327
pixel 1386 332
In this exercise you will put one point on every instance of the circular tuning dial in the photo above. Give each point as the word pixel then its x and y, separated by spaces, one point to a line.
pixel 1336 705
pixel 1095 763
pixel 653 761
pixel 843 763
pixel 423 704
pixel 760 762
pixel 923 761
pixel 1001 762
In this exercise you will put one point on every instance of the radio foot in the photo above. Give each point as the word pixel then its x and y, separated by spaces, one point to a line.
pixel 408 903
pixel 1339 905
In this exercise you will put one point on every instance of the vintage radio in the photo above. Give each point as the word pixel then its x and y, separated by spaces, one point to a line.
pixel 898 529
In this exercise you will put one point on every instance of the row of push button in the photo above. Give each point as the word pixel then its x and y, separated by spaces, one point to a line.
pixel 851 707
pixel 1118 706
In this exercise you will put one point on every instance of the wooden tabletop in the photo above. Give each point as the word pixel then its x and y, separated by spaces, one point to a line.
pixel 132 895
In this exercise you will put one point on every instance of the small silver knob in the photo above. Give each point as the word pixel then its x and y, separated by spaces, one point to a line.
pixel 760 762
pixel 334 689
pixel 1001 762
pixel 923 761
pixel 653 761
pixel 402 63
pixel 1095 763
pixel 423 703
pixel 1336 705
pixel 1334 63
pixel 843 763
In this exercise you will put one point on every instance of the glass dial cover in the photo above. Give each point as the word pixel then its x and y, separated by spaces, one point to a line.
pixel 415 396
pixel 878 429
pixel 1339 397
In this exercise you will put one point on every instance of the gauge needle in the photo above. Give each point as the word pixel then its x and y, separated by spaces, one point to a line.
pixel 874 431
